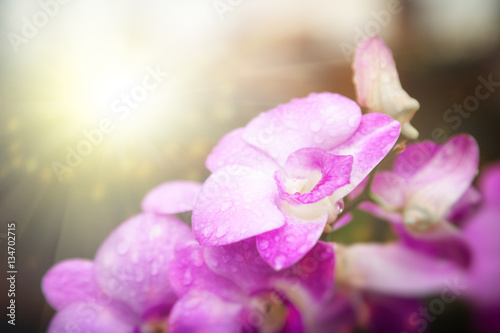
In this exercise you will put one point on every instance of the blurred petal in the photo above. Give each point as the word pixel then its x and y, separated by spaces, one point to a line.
pixel 482 233
pixel 465 206
pixel 335 172
pixel 171 197
pixel 395 270
pixel 68 282
pixel 241 263
pixel 90 317
pixel 390 314
pixel 489 183
pixel 287 245
pixel 236 203
pixel 321 120
pixel 377 84
pixel 188 271
pixel 414 158
pixel 204 312
pixel 371 142
pixel 232 149
pixel 132 263
pixel 442 181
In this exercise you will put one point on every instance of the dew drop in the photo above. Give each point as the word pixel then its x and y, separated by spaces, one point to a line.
pixel 318 139
pixel 263 244
pixel 188 278
pixel 315 126
pixel 122 248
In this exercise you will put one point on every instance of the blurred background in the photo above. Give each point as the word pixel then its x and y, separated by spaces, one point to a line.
pixel 100 101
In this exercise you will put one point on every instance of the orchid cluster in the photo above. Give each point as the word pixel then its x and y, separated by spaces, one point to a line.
pixel 256 257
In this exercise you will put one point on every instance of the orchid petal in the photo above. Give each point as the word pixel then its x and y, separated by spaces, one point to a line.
pixel 91 317
pixel 371 142
pixel 434 188
pixel 68 282
pixel 378 87
pixel 204 312
pixel 171 197
pixel 232 149
pixel 335 172
pixel 132 263
pixel 236 203
pixel 395 269
pixel 285 246
pixel 321 120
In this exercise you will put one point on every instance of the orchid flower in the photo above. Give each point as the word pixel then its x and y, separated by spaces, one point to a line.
pixel 126 288
pixel 283 176
pixel 378 87
pixel 232 289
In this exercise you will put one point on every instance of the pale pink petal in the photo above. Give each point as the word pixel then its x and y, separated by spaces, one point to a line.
pixel 377 84
pixel 414 158
pixel 482 233
pixel 232 149
pixel 188 271
pixel 70 281
pixel 204 312
pixel 371 142
pixel 395 269
pixel 132 263
pixel 285 246
pixel 92 317
pixel 321 120
pixel 241 263
pixel 236 203
pixel 434 189
pixel 171 197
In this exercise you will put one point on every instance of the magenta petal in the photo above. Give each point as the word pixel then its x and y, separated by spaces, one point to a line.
pixel 371 142
pixel 240 263
pixel 465 206
pixel 322 120
pixel 489 184
pixel 70 281
pixel 314 273
pixel 91 317
pixel 202 311
pixel 132 263
pixel 171 197
pixel 232 149
pixel 335 172
pixel 396 270
pixel 285 246
pixel 444 179
pixel 482 233
pixel 236 203
pixel 414 158
pixel 188 271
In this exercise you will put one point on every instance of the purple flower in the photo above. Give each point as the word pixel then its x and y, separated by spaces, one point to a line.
pixel 232 289
pixel 283 176
pixel 126 288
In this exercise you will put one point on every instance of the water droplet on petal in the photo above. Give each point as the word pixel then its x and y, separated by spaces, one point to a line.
pixel 263 244
pixel 188 278
pixel 315 125
pixel 340 207
pixel 122 248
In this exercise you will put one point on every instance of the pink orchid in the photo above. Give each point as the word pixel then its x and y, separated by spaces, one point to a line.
pixel 283 176
pixel 378 87
pixel 126 288
pixel 232 289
